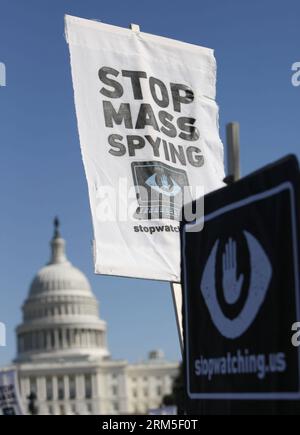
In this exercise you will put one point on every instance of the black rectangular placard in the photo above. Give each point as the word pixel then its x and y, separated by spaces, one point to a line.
pixel 240 278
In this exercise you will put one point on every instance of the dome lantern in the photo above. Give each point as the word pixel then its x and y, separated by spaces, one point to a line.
pixel 58 254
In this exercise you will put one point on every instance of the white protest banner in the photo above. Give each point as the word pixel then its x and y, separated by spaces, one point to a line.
pixel 10 401
pixel 148 127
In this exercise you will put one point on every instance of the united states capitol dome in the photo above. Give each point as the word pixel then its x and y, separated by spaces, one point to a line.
pixel 60 315
pixel 59 275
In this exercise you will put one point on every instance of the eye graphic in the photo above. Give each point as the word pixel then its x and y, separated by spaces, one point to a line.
pixel 260 277
pixel 163 184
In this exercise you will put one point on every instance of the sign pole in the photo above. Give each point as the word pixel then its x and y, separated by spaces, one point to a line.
pixel 233 151
pixel 176 290
pixel 234 173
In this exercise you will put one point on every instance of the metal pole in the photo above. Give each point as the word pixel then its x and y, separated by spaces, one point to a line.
pixel 233 150
pixel 177 302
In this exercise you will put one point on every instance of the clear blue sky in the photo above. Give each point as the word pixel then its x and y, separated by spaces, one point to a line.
pixel 41 172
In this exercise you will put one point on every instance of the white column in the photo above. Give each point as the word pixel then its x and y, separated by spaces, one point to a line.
pixel 80 387
pixel 67 387
pixel 103 389
pixel 47 340
pixel 123 392
pixel 41 388
pixel 56 339
pixel 64 338
pixel 165 384
pixel 55 388
pixel 77 338
pixel 72 339
pixel 25 388
pixel 96 399
pixel 95 389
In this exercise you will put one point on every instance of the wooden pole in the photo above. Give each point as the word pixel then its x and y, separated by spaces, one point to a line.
pixel 233 150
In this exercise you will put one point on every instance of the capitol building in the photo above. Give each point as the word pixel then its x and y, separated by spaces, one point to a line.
pixel 62 353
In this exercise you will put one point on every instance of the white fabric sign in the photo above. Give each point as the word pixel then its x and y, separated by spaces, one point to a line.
pixel 10 402
pixel 148 126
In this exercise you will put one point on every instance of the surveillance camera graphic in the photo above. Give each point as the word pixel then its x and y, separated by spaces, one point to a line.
pixel 161 190
pixel 260 278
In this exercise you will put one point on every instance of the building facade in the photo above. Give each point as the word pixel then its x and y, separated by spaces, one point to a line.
pixel 62 353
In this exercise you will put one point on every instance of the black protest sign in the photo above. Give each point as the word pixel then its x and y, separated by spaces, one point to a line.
pixel 240 278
